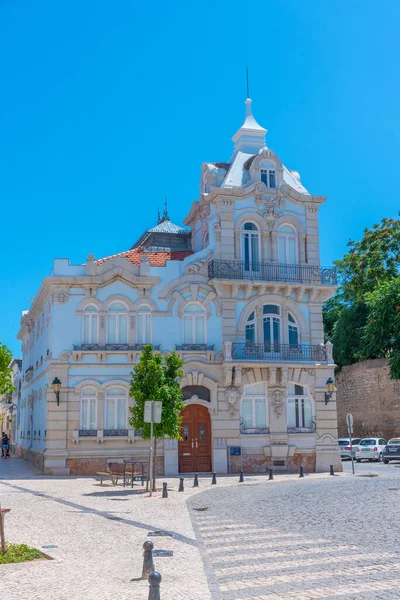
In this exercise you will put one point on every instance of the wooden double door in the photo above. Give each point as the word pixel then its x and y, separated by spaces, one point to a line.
pixel 195 447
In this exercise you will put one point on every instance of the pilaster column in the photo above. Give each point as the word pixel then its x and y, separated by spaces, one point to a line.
pixel 274 246
pixel 265 246
pixel 259 325
pixel 102 327
pixel 100 410
pixel 285 325
pixel 302 248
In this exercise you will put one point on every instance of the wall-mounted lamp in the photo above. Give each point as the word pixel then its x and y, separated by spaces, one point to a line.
pixel 330 388
pixel 56 389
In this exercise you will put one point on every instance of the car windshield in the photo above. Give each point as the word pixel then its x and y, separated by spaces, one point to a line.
pixel 344 442
pixel 367 442
pixel 392 442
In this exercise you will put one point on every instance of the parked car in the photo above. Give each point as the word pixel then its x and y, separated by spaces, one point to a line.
pixel 392 451
pixel 345 449
pixel 370 449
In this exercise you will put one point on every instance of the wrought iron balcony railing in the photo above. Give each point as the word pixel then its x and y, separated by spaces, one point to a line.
pixel 264 271
pixel 193 347
pixel 277 352
pixel 114 347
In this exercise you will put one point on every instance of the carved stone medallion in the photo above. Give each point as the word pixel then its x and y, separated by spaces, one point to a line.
pixel 277 403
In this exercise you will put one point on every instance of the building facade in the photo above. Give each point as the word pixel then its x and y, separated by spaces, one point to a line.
pixel 9 403
pixel 238 294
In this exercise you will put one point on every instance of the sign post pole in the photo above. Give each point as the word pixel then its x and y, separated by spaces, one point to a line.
pixel 152 414
pixel 349 420
pixel 151 450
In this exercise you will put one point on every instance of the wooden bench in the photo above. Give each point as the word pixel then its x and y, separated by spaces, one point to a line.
pixel 117 471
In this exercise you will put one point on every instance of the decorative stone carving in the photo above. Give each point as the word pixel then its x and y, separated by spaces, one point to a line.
pixel 65 356
pixel 200 266
pixel 259 311
pixel 220 443
pixel 277 403
pixel 61 298
pixel 102 321
pixel 205 211
pixel 132 322
pixel 170 444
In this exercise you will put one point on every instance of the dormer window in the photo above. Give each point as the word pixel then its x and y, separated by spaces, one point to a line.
pixel 268 176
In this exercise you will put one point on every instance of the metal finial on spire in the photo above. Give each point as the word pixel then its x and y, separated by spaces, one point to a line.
pixel 159 215
pixel 165 216
pixel 247 83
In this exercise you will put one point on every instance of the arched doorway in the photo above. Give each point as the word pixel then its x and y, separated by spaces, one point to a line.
pixel 195 447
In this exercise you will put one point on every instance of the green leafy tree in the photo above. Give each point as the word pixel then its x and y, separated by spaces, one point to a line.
pixel 6 386
pixel 375 258
pixel 331 313
pixel 347 338
pixel 382 330
pixel 156 379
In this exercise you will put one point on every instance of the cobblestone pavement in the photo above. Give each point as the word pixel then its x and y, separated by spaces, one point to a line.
pixel 317 537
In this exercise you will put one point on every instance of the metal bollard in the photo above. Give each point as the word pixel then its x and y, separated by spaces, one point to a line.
pixel 241 478
pixel 301 471
pixel 214 479
pixel 180 484
pixel 148 564
pixel 196 480
pixel 164 490
pixel 154 585
pixel 271 475
pixel 331 471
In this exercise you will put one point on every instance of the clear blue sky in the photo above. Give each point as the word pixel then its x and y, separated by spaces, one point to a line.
pixel 106 107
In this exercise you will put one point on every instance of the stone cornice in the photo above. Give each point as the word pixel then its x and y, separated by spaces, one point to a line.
pixel 51 285
pixel 241 193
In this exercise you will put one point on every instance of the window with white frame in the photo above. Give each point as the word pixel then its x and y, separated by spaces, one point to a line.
pixel 268 176
pixel 194 324
pixel 117 324
pixel 88 409
pixel 254 407
pixel 116 408
pixel 300 408
pixel 90 325
pixel 251 329
pixel 271 327
pixel 293 331
pixel 143 326
pixel 250 241
pixel 287 245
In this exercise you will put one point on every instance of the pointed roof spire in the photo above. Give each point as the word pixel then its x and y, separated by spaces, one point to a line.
pixel 251 136
pixel 159 215
pixel 165 215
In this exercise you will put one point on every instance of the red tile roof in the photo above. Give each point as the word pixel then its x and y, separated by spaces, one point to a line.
pixel 156 259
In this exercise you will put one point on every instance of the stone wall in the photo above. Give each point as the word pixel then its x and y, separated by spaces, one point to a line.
pixel 366 391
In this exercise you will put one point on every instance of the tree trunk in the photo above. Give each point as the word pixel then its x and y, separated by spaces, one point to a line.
pixel 148 471
pixel 154 465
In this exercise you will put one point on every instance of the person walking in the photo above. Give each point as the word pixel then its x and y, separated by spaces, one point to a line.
pixel 5 446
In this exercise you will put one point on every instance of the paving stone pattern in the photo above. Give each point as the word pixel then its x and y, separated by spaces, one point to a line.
pixel 329 538
pixel 317 537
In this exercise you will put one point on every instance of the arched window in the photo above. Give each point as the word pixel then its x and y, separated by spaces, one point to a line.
pixel 293 331
pixel 117 324
pixel 254 407
pixel 194 324
pixel 300 413
pixel 116 408
pixel 90 325
pixel 206 239
pixel 143 329
pixel 250 247
pixel 271 328
pixel 287 245
pixel 251 329
pixel 88 409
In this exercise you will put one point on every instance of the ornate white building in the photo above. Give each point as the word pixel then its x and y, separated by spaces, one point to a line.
pixel 239 296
